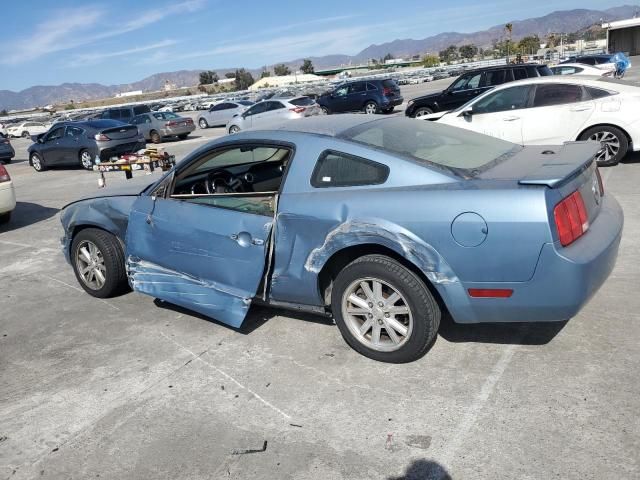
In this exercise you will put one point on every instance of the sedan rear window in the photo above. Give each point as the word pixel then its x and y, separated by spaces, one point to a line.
pixel 544 71
pixel 460 151
pixel 302 102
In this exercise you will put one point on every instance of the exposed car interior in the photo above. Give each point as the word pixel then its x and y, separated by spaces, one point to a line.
pixel 245 178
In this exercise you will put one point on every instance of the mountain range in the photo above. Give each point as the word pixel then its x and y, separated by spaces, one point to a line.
pixel 565 21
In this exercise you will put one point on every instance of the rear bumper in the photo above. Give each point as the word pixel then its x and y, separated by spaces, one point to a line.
pixel 565 278
pixel 175 131
pixel 392 102
pixel 7 197
pixel 7 154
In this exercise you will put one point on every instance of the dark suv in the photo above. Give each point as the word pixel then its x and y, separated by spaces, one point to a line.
pixel 124 114
pixel 470 85
pixel 369 96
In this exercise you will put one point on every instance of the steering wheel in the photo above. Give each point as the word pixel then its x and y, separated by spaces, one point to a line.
pixel 223 182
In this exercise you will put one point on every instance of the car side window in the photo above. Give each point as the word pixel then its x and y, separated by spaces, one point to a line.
pixel 467 82
pixel 337 169
pixel 587 60
pixel 557 94
pixel 357 87
pixel 341 92
pixel 494 77
pixel 55 134
pixel 371 87
pixel 519 73
pixel 74 132
pixel 513 98
pixel 256 109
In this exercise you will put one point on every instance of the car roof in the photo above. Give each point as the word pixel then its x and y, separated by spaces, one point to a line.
pixel 327 125
pixel 501 67
pixel 585 80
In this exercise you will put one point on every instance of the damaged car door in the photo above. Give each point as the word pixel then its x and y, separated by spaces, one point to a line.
pixel 203 246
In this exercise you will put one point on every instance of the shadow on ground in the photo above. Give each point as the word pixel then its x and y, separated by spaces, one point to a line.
pixel 424 470
pixel 26 214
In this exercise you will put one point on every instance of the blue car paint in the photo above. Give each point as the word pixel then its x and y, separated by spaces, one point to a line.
pixel 173 252
pixel 521 250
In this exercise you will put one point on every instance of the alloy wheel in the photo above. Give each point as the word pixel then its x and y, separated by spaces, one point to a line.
pixel 610 145
pixel 370 108
pixel 85 159
pixel 36 163
pixel 90 265
pixel 377 314
pixel 203 123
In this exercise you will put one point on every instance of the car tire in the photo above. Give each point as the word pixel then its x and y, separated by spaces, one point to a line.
pixel 370 108
pixel 155 137
pixel 420 323
pixel 233 129
pixel 325 111
pixel 37 162
pixel 203 123
pixel 25 134
pixel 85 159
pixel 99 251
pixel 614 141
pixel 421 112
pixel 5 217
pixel 183 136
pixel 6 161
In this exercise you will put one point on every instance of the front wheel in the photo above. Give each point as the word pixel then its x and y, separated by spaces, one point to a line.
pixel 370 108
pixel 422 111
pixel 98 262
pixel 37 162
pixel 613 141
pixel 203 123
pixel 383 310
pixel 86 160
pixel 25 134
pixel 325 111
pixel 155 137
pixel 234 129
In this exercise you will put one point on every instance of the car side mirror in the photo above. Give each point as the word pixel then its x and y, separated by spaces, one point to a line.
pixel 467 113
pixel 40 140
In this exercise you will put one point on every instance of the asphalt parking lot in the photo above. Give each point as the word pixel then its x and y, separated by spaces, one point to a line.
pixel 132 388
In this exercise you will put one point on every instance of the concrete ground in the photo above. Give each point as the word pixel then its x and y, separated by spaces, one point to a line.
pixel 130 388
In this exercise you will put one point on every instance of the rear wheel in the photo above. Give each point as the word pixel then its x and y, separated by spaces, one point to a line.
pixel 98 262
pixel 613 141
pixel 384 310
pixel 5 217
pixel 155 136
pixel 85 159
pixel 370 108
pixel 25 134
pixel 422 111
pixel 37 162
pixel 325 111
pixel 183 136
pixel 234 129
pixel 203 123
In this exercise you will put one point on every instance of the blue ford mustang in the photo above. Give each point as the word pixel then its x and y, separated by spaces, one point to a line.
pixel 383 222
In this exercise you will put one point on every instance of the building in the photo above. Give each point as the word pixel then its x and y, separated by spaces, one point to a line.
pixel 129 94
pixel 623 36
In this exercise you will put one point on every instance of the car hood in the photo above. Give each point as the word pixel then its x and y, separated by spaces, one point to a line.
pixel 430 95
pixel 132 188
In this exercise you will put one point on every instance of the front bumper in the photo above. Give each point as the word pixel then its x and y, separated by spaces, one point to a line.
pixel 565 278
pixel 7 197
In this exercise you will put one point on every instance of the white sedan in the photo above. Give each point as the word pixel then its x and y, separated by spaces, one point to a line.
pixel 27 129
pixel 553 110
pixel 7 195
pixel 602 70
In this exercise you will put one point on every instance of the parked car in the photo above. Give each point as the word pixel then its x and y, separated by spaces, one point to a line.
pixel 273 110
pixel 471 84
pixel 7 195
pixel 3 129
pixel 554 110
pixel 124 114
pixel 382 222
pixel 597 59
pixel 369 96
pixel 81 143
pixel 220 113
pixel 6 149
pixel 583 69
pixel 26 129
pixel 155 126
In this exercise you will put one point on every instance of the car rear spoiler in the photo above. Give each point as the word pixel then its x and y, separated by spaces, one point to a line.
pixel 563 164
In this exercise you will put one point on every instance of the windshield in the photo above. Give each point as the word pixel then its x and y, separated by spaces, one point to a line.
pixel 461 151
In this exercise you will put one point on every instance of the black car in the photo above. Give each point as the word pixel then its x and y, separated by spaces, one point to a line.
pixel 6 150
pixel 81 143
pixel 124 114
pixel 471 84
pixel 369 96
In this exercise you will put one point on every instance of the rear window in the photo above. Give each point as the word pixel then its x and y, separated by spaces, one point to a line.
pixel 557 94
pixel 141 109
pixel 302 102
pixel 598 92
pixel 389 83
pixel 460 151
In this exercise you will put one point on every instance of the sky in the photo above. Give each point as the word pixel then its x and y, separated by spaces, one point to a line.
pixel 122 41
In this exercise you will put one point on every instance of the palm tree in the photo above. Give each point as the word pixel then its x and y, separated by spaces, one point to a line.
pixel 509 28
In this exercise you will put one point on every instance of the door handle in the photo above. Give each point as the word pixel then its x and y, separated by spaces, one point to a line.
pixel 244 239
pixel 511 119
pixel 580 109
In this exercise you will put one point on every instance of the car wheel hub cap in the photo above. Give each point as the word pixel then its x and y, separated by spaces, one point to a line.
pixel 86 160
pixel 90 265
pixel 610 145
pixel 377 314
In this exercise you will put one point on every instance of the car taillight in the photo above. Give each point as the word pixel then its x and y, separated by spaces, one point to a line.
pixel 298 109
pixel 101 137
pixel 171 124
pixel 4 175
pixel 387 91
pixel 600 184
pixel 571 218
